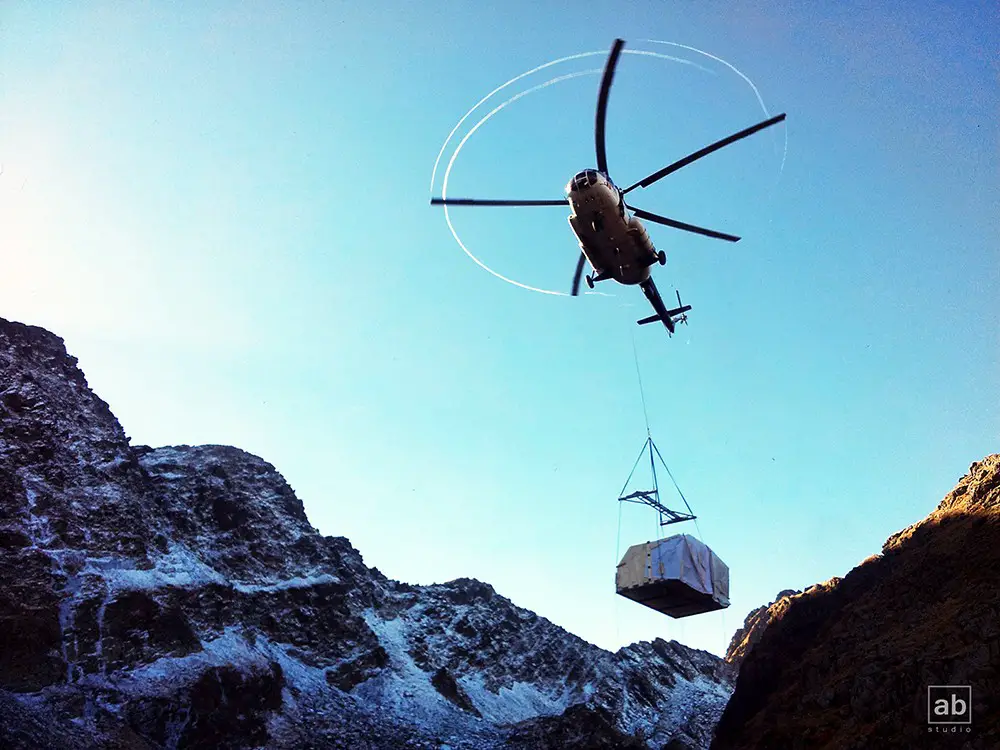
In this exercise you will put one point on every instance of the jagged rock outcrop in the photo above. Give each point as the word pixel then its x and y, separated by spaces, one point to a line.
pixel 579 726
pixel 179 597
pixel 847 664
pixel 746 637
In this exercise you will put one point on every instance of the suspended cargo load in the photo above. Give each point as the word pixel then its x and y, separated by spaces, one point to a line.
pixel 678 576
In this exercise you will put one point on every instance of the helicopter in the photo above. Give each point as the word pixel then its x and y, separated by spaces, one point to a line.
pixel 610 232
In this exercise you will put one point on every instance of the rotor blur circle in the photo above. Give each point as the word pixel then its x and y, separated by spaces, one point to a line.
pixel 536 89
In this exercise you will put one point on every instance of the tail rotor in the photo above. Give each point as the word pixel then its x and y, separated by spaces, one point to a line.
pixel 682 318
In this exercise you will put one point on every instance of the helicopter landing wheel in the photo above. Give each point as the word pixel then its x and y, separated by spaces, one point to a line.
pixel 661 258
pixel 590 281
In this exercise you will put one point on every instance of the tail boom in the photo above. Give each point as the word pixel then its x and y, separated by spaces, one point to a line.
pixel 670 317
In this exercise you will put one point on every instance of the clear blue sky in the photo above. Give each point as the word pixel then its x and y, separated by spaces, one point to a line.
pixel 223 209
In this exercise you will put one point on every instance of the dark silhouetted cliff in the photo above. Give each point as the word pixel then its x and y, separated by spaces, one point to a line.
pixel 847 663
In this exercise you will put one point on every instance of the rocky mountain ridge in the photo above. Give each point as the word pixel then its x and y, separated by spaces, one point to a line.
pixel 848 663
pixel 178 597
pixel 746 637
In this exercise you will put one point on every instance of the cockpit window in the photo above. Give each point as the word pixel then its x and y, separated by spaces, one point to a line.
pixel 586 179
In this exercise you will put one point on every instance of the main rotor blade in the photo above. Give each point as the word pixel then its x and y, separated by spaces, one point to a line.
pixel 705 152
pixel 602 104
pixel 576 276
pixel 487 202
pixel 681 225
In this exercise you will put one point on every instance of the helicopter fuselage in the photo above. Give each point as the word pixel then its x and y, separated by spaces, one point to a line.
pixel 615 243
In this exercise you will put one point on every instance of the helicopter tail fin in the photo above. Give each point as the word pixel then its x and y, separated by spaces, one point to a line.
pixel 667 321
pixel 670 315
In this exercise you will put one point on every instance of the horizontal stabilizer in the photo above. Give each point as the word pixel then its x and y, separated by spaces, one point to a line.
pixel 650 319
pixel 678 310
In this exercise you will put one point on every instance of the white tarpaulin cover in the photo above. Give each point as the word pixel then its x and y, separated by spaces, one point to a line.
pixel 679 558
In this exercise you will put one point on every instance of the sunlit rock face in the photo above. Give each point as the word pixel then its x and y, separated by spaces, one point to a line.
pixel 178 597
pixel 847 663
pixel 746 637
